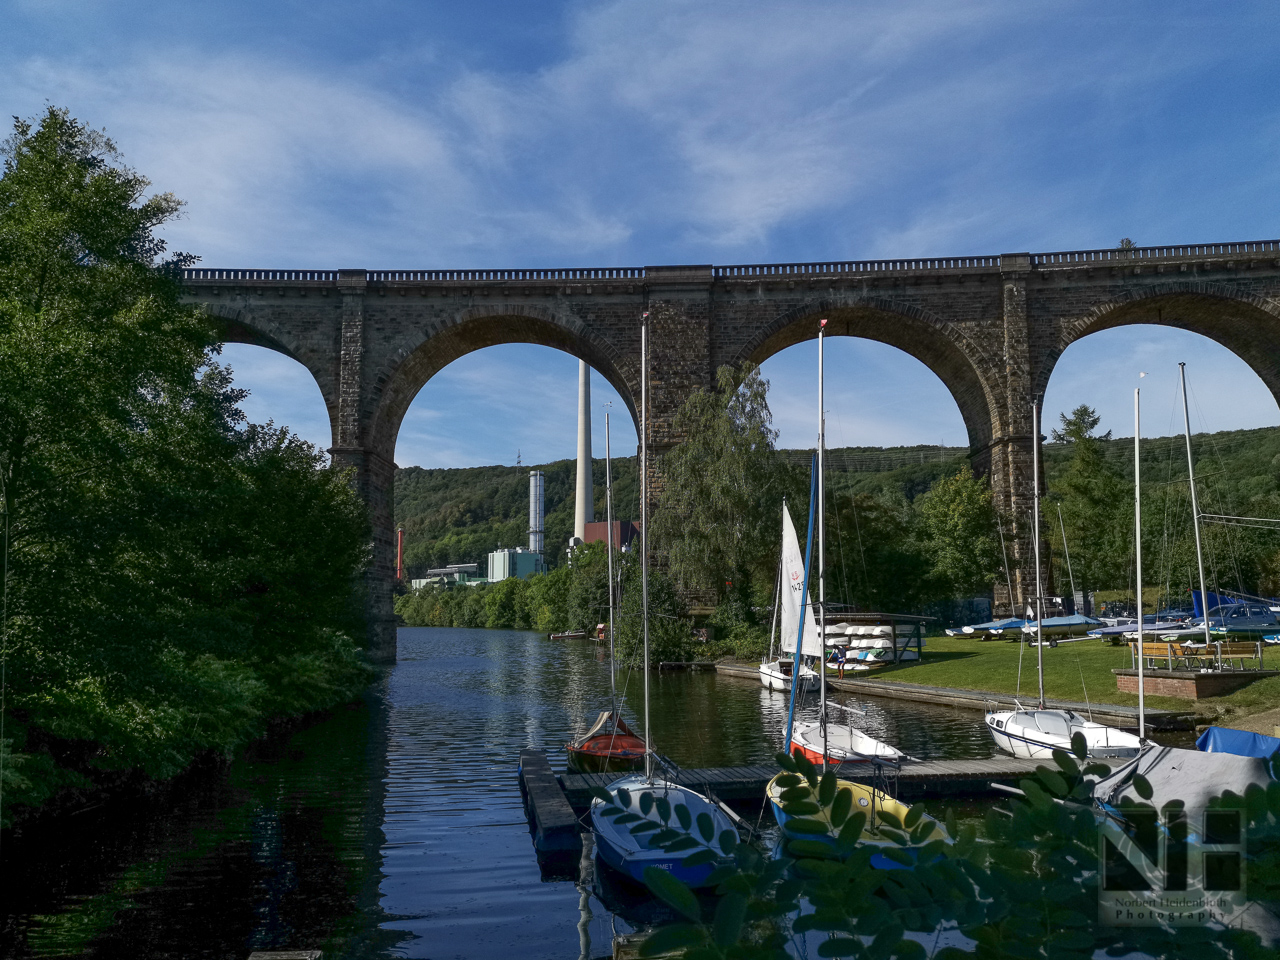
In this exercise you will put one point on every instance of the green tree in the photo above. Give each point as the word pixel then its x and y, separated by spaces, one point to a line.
pixel 716 522
pixel 175 576
pixel 958 522
pixel 1095 501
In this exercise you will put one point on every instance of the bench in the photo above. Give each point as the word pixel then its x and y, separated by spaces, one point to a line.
pixel 1221 653
pixel 1151 652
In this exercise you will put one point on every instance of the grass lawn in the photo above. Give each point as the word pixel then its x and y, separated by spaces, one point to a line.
pixel 1069 669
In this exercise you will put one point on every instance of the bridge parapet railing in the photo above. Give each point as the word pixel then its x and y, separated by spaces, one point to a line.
pixel 292 276
pixel 1186 252
pixel 849 267
pixel 445 276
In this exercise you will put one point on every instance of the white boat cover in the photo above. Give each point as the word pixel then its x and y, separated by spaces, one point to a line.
pixel 793 600
pixel 1187 775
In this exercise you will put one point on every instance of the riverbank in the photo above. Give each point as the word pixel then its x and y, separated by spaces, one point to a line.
pixel 968 672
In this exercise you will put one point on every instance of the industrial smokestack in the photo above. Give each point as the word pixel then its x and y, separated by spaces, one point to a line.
pixel 583 512
pixel 537 502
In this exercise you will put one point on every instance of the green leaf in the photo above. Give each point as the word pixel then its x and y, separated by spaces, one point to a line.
pixel 645 826
pixel 840 947
pixel 1066 763
pixel 810 848
pixel 841 807
pixel 730 912
pixel 626 818
pixel 706 826
pixel 806 768
pixel 728 840
pixel 801 808
pixel 789 780
pixel 827 788
pixel 624 796
pixel 785 762
pixel 853 828
pixel 795 793
pixel 646 802
pixel 672 892
pixel 664 809
pixel 704 855
pixel 1053 781
pixel 681 843
pixel 684 817
pixel 667 940
pixel 913 816
pixel 601 794
pixel 1079 746
pixel 1142 786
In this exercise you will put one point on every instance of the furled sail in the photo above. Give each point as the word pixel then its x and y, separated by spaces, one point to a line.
pixel 793 599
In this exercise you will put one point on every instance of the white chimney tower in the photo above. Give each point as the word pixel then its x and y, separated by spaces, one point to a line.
pixel 583 512
pixel 536 506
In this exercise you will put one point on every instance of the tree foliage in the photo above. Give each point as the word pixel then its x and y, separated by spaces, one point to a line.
pixel 717 517
pixel 175 576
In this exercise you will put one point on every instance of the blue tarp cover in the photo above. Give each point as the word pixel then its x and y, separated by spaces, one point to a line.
pixel 1240 742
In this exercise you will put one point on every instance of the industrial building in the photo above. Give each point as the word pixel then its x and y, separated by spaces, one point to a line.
pixel 624 531
pixel 514 562
pixel 465 574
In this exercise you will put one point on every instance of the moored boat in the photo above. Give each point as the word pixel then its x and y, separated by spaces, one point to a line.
pixel 608 746
pixel 1035 734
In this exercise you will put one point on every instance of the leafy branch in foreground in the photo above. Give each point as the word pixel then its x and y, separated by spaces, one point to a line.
pixel 1026 885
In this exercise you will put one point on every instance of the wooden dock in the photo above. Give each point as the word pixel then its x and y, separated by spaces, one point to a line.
pixel 915 780
pixel 556 829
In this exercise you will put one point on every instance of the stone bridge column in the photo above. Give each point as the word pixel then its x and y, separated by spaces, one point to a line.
pixel 679 305
pixel 374 470
pixel 1011 454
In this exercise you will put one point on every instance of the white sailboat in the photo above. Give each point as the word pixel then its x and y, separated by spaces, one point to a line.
pixel 818 740
pixel 634 845
pixel 1036 734
pixel 777 672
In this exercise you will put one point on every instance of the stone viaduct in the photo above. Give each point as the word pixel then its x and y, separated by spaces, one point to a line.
pixel 991 328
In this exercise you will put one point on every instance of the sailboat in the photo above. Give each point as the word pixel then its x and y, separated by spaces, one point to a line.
pixel 609 744
pixel 1036 734
pixel 819 740
pixel 777 672
pixel 631 815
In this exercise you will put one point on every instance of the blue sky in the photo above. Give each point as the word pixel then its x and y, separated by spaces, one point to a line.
pixel 420 135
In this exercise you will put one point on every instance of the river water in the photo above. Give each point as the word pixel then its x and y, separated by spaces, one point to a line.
pixel 395 827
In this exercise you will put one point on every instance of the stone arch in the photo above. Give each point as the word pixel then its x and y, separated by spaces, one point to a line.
pixel 1247 325
pixel 938 345
pixel 240 325
pixel 409 368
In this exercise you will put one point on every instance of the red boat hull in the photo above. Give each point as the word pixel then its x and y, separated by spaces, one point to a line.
pixel 606 753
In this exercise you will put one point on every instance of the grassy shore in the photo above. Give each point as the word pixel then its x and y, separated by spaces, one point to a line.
pixel 1071 670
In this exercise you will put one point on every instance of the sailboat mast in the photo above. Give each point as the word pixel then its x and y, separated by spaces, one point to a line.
pixel 608 513
pixel 1062 528
pixel 777 598
pixel 1035 541
pixel 822 554
pixel 644 530
pixel 1137 549
pixel 1195 508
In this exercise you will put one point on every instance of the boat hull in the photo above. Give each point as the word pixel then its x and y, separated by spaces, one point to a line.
pixel 1036 734
pixel 607 753
pixel 630 855
pixel 867 800
pixel 844 745
pixel 776 676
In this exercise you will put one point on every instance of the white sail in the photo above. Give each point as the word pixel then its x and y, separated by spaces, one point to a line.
pixel 792 599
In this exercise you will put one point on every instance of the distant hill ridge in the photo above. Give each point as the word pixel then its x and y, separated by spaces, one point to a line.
pixel 457 515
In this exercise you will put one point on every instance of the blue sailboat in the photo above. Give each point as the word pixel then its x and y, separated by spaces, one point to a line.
pixel 642 821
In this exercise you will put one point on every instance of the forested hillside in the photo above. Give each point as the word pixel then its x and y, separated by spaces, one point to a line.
pixel 455 516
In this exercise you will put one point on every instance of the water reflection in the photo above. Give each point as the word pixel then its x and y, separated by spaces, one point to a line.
pixel 396 828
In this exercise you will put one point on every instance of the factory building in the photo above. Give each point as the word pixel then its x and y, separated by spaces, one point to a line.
pixel 624 531
pixel 465 574
pixel 514 562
